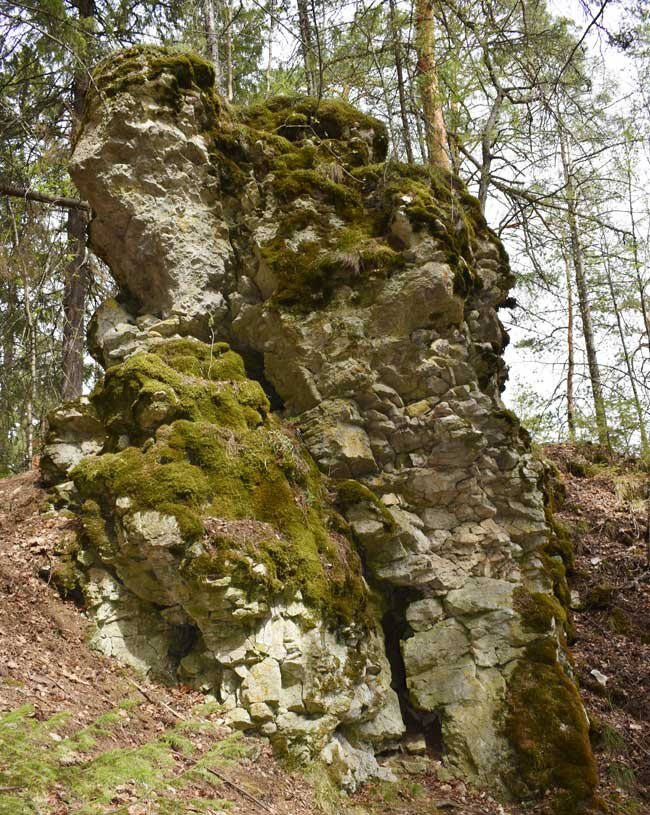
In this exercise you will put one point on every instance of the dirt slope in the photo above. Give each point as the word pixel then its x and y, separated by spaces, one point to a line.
pixel 81 735
pixel 607 512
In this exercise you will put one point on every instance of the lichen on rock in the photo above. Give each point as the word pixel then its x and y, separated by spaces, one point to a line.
pixel 388 484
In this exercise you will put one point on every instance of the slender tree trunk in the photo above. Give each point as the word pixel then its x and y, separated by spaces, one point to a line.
pixel 436 132
pixel 421 139
pixel 385 94
pixel 583 302
pixel 75 295
pixel 397 49
pixel 31 345
pixel 635 253
pixel 306 46
pixel 269 62
pixel 487 142
pixel 10 298
pixel 77 275
pixel 212 41
pixel 571 364
pixel 229 72
pixel 626 356
pixel 318 69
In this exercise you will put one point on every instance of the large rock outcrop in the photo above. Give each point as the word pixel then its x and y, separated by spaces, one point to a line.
pixel 299 485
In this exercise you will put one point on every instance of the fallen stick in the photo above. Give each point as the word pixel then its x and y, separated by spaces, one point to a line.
pixel 154 700
pixel 239 789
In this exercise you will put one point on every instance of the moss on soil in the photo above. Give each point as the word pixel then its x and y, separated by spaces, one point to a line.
pixel 602 595
pixel 83 770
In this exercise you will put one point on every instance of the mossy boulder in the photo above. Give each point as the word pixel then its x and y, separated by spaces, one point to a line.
pixel 549 732
pixel 198 442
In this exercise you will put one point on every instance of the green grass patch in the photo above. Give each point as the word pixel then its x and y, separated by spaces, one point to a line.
pixel 35 761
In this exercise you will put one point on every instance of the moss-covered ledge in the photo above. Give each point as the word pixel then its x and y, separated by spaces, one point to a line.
pixel 190 436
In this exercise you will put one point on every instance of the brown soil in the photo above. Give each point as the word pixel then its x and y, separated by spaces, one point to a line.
pixel 46 663
pixel 607 512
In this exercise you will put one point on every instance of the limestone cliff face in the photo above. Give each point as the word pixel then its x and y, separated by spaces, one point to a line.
pixel 362 296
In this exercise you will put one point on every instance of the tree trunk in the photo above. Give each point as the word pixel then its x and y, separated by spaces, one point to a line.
pixel 436 132
pixel 229 83
pixel 397 49
pixel 626 356
pixel 269 61
pixel 570 374
pixel 75 294
pixel 31 344
pixel 211 40
pixel 487 142
pixel 318 53
pixel 77 276
pixel 306 46
pixel 635 253
pixel 583 302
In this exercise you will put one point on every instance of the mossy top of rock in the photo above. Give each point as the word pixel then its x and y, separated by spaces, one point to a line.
pixel 342 235
pixel 299 117
pixel 323 161
pixel 198 443
pixel 167 73
pixel 178 379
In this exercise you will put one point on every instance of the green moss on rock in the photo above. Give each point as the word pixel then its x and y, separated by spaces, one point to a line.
pixel 351 492
pixel 176 71
pixel 218 454
pixel 540 612
pixel 65 572
pixel 331 119
pixel 545 721
pixel 207 383
pixel 549 733
pixel 602 595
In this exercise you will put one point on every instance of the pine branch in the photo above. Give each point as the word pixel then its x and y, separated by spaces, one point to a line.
pixel 44 198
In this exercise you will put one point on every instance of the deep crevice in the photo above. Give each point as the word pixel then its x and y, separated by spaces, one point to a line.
pixel 254 364
pixel 417 722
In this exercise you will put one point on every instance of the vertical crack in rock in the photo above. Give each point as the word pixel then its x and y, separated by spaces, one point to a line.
pixel 364 292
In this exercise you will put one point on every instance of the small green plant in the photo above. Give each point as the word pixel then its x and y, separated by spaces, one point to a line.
pixel 622 775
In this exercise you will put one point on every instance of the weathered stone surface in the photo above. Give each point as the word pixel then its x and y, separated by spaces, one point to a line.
pixel 367 295
pixel 423 614
pixel 74 433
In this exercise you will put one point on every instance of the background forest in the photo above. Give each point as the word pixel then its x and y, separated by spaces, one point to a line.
pixel 545 117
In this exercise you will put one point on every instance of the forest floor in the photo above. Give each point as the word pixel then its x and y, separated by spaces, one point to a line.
pixel 83 735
